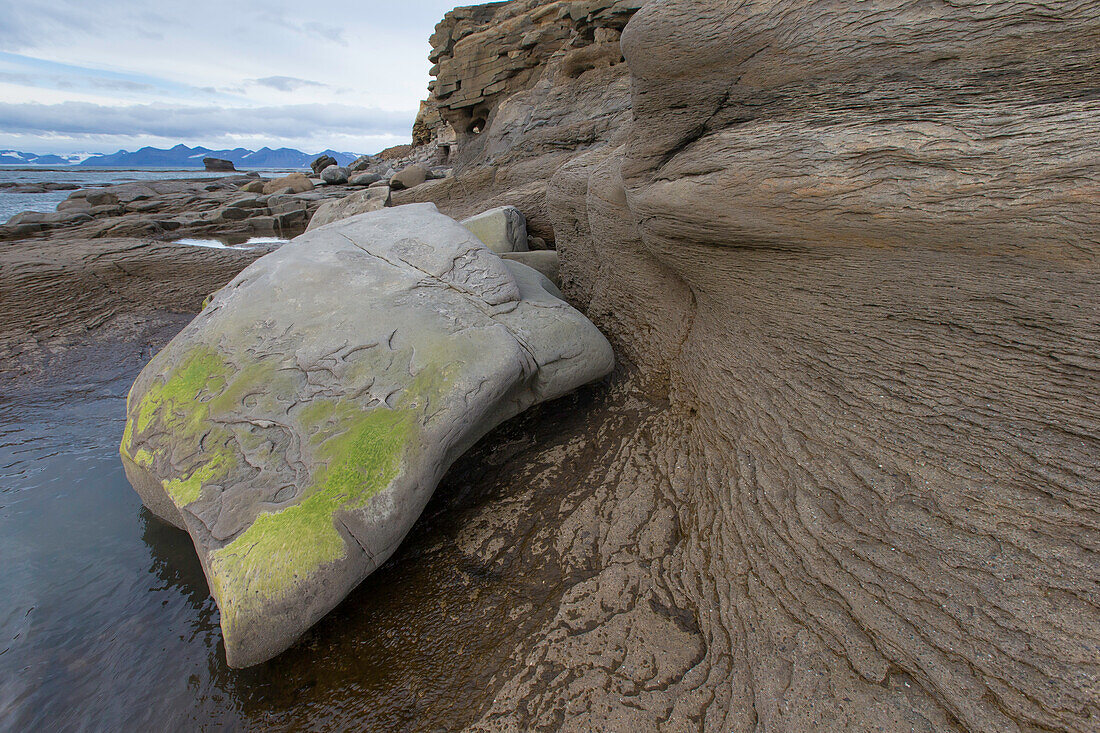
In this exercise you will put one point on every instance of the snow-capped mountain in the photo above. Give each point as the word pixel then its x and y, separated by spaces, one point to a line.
pixel 16 157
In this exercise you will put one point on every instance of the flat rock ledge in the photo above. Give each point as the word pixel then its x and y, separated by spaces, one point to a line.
pixel 299 425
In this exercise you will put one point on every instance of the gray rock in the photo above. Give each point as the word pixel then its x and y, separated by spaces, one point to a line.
pixel 334 174
pixel 364 179
pixel 503 229
pixel 363 163
pixel 409 177
pixel 545 261
pixel 298 426
pixel 218 165
pixel 321 163
pixel 100 198
pixel 362 202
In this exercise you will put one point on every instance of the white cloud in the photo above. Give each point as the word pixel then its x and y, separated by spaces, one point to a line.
pixel 285 69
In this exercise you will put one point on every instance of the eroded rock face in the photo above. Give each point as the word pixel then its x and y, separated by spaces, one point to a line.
pixel 298 426
pixel 854 276
pixel 521 88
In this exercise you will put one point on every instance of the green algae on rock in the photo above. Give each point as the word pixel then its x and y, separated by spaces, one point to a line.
pixel 298 426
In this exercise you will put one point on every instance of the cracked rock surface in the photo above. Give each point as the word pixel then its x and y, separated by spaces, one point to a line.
pixel 299 425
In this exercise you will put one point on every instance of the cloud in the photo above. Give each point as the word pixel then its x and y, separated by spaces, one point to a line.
pixel 206 122
pixel 284 83
pixel 325 32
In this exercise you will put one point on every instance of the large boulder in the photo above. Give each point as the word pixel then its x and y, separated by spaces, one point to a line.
pixel 294 183
pixel 410 177
pixel 503 229
pixel 297 427
pixel 362 202
pixel 321 163
pixel 335 174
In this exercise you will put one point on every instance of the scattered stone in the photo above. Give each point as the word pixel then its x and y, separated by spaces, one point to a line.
pixel 219 165
pixel 299 425
pixel 409 177
pixel 335 174
pixel 362 163
pixel 503 229
pixel 321 163
pixel 364 179
pixel 294 183
pixel 362 202
pixel 253 187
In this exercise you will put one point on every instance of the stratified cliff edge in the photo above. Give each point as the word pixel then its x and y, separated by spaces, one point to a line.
pixel 848 253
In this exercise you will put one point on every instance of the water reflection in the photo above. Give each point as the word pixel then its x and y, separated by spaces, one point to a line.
pixel 106 621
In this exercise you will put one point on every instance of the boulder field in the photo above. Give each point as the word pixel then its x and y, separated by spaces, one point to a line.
pixel 297 428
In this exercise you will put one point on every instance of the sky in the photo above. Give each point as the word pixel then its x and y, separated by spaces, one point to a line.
pixel 103 75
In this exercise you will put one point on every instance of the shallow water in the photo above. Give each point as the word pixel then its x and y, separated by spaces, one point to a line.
pixel 231 242
pixel 106 622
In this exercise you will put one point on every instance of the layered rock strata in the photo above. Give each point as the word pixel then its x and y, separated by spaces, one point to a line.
pixel 852 272
pixel 520 88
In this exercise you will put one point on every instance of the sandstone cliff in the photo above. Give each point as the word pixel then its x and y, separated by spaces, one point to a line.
pixel 520 88
pixel 848 253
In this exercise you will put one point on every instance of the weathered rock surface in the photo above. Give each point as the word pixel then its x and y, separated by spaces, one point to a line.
pixel 503 229
pixel 58 294
pixel 522 109
pixel 361 202
pixel 298 426
pixel 853 277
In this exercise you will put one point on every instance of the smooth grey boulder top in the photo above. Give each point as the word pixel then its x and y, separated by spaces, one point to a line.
pixel 372 199
pixel 503 229
pixel 298 426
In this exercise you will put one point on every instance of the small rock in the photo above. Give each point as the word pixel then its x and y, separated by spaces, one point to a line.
pixel 321 163
pixel 294 183
pixel 503 229
pixel 364 179
pixel 362 163
pixel 409 177
pixel 253 187
pixel 335 174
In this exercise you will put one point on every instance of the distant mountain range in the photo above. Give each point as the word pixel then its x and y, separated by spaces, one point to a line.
pixel 180 156
pixel 14 157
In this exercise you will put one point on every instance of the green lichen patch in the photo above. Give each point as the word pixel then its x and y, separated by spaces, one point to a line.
pixel 362 452
pixel 186 490
pixel 179 407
